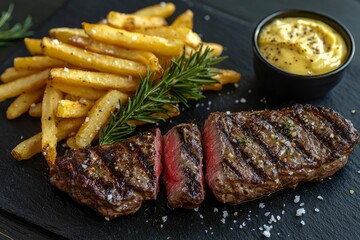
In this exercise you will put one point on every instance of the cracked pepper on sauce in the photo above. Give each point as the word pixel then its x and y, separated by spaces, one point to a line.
pixel 302 46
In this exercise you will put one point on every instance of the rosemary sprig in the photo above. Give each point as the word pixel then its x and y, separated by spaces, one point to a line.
pixel 8 33
pixel 179 83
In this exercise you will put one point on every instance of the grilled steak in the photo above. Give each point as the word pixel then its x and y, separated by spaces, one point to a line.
pixel 251 154
pixel 183 173
pixel 112 179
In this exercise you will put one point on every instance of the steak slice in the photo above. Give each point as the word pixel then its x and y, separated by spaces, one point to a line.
pixel 112 179
pixel 251 154
pixel 183 166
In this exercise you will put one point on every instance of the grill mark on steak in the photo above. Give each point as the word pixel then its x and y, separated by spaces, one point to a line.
pixel 183 173
pixel 239 156
pixel 306 142
pixel 314 149
pixel 322 129
pixel 141 156
pixel 110 178
pixel 107 156
pixel 283 131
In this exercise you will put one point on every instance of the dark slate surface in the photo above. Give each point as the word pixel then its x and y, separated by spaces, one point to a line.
pixel 26 193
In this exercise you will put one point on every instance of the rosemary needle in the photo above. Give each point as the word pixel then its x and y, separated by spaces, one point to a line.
pixel 180 82
pixel 19 30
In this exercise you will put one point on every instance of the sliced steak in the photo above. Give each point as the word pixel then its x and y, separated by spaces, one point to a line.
pixel 251 154
pixel 112 179
pixel 183 166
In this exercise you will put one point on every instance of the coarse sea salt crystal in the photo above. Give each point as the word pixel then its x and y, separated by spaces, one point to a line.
pixel 164 218
pixel 266 233
pixel 55 41
pixel 320 197
pixel 216 210
pixel 261 205
pixel 225 214
pixel 267 214
pixel 302 204
pixel 300 212
pixel 297 199
pixel 243 100
pixel 317 210
pixel 302 222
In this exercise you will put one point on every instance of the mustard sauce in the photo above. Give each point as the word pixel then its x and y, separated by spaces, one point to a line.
pixel 302 46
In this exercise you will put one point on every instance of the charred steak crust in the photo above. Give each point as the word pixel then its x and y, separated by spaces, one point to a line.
pixel 251 154
pixel 183 166
pixel 112 179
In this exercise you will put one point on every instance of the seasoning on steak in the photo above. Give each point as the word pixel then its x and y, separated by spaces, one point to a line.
pixel 251 154
pixel 112 179
pixel 183 167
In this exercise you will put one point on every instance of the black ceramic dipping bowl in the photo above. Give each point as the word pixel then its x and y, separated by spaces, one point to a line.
pixel 286 85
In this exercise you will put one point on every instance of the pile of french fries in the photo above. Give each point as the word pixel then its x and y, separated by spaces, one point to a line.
pixel 76 78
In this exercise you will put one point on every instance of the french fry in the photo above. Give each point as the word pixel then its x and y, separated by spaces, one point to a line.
pixel 145 57
pixel 98 116
pixel 35 110
pixel 11 74
pixel 98 80
pixel 64 34
pixel 48 124
pixel 31 146
pixel 71 142
pixel 81 92
pixel 225 76
pixel 85 59
pixel 23 103
pixel 37 63
pixel 128 21
pixel 33 46
pixel 24 84
pixel 73 109
pixel 217 49
pixel 157 45
pixel 184 20
pixel 174 113
pixel 180 33
pixel 163 10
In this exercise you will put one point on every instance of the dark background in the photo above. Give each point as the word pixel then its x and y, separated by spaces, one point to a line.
pixel 31 209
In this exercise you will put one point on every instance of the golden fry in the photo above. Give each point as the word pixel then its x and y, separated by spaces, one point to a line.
pixel 64 34
pixel 48 124
pixel 31 146
pixel 33 46
pixel 85 59
pixel 158 45
pixel 37 63
pixel 25 84
pixel 180 33
pixel 81 92
pixel 23 103
pixel 145 57
pixel 11 74
pixel 128 21
pixel 174 113
pixel 35 110
pixel 217 49
pixel 163 10
pixel 71 142
pixel 73 109
pixel 98 116
pixel 184 20
pixel 225 76
pixel 98 80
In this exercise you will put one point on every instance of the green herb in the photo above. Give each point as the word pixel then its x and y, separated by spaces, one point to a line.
pixel 8 33
pixel 179 83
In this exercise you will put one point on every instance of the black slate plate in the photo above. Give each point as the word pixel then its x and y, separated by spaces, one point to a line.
pixel 26 192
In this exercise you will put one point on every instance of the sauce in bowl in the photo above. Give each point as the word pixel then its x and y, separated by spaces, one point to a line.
pixel 302 46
